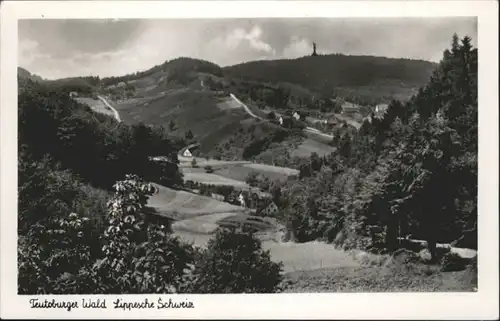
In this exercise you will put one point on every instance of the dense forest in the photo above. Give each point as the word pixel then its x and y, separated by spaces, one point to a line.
pixel 412 173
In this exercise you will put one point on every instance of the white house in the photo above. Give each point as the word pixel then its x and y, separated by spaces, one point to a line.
pixel 73 94
pixel 381 108
pixel 187 153
pixel 296 115
pixel 241 199
pixel 280 119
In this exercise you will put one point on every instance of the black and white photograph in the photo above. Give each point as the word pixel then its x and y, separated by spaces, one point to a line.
pixel 248 155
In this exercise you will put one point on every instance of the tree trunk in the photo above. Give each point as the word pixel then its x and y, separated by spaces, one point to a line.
pixel 431 239
pixel 391 235
pixel 431 246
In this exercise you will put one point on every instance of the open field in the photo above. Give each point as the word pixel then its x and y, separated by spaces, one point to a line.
pixel 256 223
pixel 399 278
pixel 274 169
pixel 97 105
pixel 240 172
pixel 197 111
pixel 201 162
pixel 228 103
pixel 308 256
pixel 211 178
pixel 309 146
pixel 202 224
pixel 181 204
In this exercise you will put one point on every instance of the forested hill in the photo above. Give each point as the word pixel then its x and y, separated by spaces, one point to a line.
pixel 172 69
pixel 83 85
pixel 25 74
pixel 412 173
pixel 327 72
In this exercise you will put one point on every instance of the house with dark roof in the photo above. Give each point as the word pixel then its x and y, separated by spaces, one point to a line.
pixel 270 209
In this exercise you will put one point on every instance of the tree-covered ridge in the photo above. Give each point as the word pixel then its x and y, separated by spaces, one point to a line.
pixel 25 74
pixel 414 172
pixel 175 68
pixel 337 73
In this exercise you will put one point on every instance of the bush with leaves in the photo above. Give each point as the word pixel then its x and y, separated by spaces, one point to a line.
pixel 139 255
pixel 53 253
pixel 252 178
pixel 135 254
pixel 453 262
pixel 235 262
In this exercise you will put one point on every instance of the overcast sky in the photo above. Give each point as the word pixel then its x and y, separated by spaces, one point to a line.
pixel 65 48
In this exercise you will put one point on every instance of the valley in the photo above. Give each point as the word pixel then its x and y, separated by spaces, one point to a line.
pixel 196 217
pixel 333 164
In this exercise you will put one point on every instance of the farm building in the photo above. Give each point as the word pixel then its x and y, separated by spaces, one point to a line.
pixel 296 115
pixel 380 109
pixel 241 199
pixel 349 108
pixel 218 197
pixel 286 121
pixel 73 94
pixel 270 210
pixel 118 85
pixel 187 153
pixel 313 120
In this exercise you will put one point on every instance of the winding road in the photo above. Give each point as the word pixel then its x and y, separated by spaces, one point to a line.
pixel 310 130
pixel 245 107
pixel 117 115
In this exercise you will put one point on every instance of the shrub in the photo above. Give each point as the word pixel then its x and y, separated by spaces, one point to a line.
pixel 56 249
pixel 453 262
pixel 209 169
pixel 234 262
pixel 194 164
pixel 140 257
pixel 252 179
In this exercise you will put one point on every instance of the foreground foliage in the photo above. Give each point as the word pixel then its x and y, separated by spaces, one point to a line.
pixel 136 253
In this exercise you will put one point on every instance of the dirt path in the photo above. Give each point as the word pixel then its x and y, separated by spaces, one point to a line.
pixel 117 115
pixel 245 107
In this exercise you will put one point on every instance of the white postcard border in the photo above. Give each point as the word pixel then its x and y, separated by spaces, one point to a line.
pixel 480 305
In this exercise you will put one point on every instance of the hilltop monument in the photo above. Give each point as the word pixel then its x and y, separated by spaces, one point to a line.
pixel 314 50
